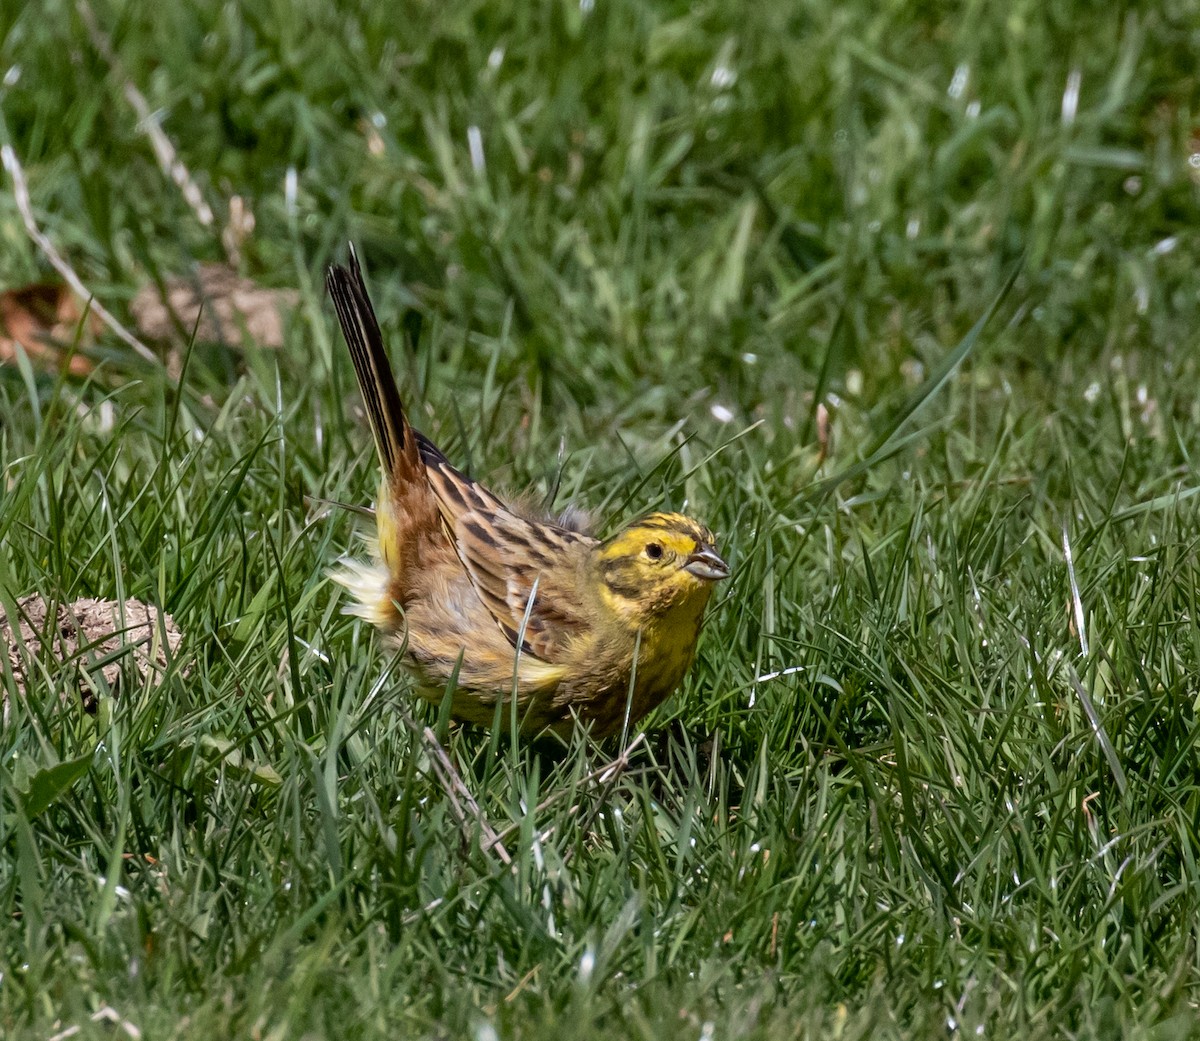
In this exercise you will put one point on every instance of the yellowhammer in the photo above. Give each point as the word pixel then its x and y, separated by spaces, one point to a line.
pixel 482 595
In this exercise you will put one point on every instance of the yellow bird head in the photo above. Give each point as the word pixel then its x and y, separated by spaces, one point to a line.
pixel 662 566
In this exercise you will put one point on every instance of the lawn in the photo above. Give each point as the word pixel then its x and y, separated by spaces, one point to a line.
pixel 934 774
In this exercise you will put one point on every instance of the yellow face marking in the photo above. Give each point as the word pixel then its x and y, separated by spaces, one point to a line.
pixel 673 533
pixel 661 544
pixel 642 569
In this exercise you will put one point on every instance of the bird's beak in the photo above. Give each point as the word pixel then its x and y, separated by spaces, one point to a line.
pixel 705 564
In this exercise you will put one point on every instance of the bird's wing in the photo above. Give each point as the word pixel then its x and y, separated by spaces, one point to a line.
pixel 511 559
pixel 526 574
pixel 456 493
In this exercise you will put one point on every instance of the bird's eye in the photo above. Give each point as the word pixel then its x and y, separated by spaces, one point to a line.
pixel 654 551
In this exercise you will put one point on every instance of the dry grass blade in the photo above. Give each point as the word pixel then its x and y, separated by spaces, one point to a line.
pixel 25 207
pixel 164 150
pixel 605 776
pixel 462 803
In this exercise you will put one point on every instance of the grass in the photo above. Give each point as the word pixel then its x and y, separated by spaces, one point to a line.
pixel 934 773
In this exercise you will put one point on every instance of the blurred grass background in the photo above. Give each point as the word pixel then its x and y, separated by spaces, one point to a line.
pixel 935 772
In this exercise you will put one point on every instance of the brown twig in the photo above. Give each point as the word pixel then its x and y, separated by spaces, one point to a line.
pixel 462 803
pixel 607 775
pixel 66 272
pixel 468 810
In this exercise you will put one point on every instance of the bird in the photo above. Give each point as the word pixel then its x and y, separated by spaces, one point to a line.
pixel 492 602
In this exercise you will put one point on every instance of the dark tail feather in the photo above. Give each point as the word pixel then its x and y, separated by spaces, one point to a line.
pixel 393 436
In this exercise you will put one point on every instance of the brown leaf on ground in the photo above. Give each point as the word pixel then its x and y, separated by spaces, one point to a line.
pixel 92 639
pixel 43 319
pixel 231 310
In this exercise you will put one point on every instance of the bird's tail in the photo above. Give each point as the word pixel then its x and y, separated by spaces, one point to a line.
pixel 399 451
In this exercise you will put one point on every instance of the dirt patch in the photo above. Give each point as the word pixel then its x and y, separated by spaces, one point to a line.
pixel 93 640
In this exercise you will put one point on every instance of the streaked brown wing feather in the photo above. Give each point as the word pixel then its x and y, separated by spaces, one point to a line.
pixel 510 559
pixel 456 492
pixel 513 561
